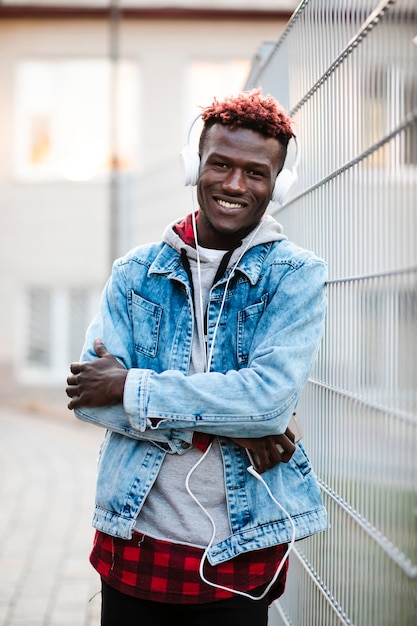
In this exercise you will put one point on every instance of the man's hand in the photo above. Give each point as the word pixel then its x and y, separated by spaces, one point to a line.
pixel 96 383
pixel 267 452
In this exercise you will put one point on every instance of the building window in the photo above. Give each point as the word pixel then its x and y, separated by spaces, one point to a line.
pixel 39 323
pixel 387 99
pixel 388 338
pixel 54 322
pixel 66 115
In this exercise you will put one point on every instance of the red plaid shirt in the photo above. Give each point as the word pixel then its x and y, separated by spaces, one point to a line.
pixel 152 569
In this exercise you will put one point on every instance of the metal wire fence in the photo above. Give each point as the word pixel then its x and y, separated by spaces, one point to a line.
pixel 346 71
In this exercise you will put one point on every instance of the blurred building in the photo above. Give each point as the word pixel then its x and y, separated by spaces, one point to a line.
pixel 95 102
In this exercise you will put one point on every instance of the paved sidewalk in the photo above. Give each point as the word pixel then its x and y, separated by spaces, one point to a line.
pixel 47 476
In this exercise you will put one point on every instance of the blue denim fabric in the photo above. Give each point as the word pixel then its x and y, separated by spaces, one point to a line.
pixel 266 343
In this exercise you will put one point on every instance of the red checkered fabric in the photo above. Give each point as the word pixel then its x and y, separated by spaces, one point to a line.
pixel 201 441
pixel 160 571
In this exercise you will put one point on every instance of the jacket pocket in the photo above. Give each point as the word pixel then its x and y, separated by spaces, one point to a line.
pixel 302 460
pixel 146 320
pixel 247 321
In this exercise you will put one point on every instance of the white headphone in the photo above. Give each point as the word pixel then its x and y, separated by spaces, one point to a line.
pixel 190 162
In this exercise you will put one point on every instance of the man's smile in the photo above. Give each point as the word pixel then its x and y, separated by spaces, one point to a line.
pixel 229 205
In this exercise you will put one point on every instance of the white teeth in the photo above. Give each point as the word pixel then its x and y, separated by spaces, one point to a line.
pixel 230 205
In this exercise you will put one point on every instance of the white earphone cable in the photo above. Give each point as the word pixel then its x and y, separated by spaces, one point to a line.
pixel 250 469
pixel 229 278
pixel 254 473
pixel 200 291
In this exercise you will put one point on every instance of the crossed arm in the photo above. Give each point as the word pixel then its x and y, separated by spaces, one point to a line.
pixel 101 383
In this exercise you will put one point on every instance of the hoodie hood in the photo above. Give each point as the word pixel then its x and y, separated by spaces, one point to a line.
pixel 180 235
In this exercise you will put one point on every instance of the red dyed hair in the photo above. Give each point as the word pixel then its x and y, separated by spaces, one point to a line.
pixel 250 109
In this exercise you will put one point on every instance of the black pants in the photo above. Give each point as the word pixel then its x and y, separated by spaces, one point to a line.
pixel 118 609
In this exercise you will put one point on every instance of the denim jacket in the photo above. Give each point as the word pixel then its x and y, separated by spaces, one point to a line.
pixel 267 339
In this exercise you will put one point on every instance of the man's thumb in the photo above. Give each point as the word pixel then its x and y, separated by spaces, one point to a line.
pixel 100 348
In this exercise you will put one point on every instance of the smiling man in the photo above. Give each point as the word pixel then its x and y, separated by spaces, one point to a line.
pixel 194 365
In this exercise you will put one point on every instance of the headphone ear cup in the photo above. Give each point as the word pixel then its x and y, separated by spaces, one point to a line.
pixel 190 165
pixel 283 183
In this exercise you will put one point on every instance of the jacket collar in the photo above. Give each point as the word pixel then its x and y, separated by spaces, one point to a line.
pixel 168 261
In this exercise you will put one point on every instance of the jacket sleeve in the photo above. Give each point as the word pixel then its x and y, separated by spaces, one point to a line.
pixel 113 325
pixel 253 401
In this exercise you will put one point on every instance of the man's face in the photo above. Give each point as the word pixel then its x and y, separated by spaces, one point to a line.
pixel 237 175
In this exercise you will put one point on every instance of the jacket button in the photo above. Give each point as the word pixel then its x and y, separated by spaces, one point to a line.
pixel 185 445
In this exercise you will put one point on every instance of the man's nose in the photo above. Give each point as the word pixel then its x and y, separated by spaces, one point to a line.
pixel 234 182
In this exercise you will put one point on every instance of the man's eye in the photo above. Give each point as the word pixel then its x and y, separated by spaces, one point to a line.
pixel 255 173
